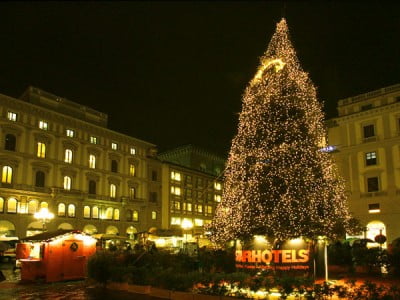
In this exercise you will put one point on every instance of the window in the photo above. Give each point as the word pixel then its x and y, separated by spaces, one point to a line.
pixel 374 208
pixel 366 107
pixel 114 166
pixel 113 190
pixel 369 131
pixel 43 125
pixel 132 170
pixel 114 146
pixel 176 205
pixel 199 208
pixel 154 175
pixel 93 139
pixel 67 183
pixel 129 215
pixel 70 133
pixel 370 158
pixel 154 215
pixel 153 197
pixel 39 179
pixel 175 221
pixel 208 209
pixel 6 176
pixel 176 176
pixel 71 210
pixel 92 161
pixel 95 212
pixel 133 151
pixel 188 206
pixel 44 204
pixel 32 207
pixel 1 204
pixel 86 212
pixel 92 187
pixel 68 156
pixel 12 116
pixel 10 142
pixel 198 222
pixel 12 205
pixel 175 190
pixel 41 150
pixel 109 213
pixel 132 193
pixel 372 184
pixel 116 214
pixel 135 216
pixel 217 186
pixel 61 210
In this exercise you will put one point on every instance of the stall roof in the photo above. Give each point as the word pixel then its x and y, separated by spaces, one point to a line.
pixel 47 235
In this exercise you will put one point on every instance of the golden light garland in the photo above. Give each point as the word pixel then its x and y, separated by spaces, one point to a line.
pixel 277 182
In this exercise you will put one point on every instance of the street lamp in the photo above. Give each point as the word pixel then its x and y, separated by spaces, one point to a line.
pixel 186 225
pixel 44 215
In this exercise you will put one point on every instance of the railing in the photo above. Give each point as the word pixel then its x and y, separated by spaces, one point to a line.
pixel 382 91
pixel 373 194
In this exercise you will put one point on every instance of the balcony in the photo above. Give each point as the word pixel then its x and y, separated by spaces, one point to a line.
pixel 373 194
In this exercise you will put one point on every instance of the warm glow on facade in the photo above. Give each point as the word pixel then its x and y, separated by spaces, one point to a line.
pixel 6 175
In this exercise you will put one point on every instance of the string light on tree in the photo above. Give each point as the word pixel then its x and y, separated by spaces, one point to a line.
pixel 277 181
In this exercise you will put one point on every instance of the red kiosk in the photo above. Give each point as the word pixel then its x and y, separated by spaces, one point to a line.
pixel 55 255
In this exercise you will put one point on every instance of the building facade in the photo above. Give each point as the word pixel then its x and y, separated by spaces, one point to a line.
pixel 191 188
pixel 60 155
pixel 365 138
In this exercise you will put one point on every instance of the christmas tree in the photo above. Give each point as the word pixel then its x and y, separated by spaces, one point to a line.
pixel 278 182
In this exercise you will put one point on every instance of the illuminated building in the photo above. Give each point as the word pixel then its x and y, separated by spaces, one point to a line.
pixel 191 187
pixel 59 154
pixel 366 138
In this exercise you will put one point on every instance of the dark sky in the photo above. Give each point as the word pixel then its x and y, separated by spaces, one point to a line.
pixel 173 73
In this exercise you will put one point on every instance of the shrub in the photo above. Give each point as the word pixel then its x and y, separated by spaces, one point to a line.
pixel 100 266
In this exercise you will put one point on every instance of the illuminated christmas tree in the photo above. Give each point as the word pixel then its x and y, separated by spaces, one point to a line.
pixel 278 181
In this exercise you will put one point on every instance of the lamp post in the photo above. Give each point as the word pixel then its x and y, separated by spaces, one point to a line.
pixel 186 225
pixel 45 216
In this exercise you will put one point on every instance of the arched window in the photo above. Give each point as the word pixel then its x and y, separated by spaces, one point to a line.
pixel 32 207
pixel 109 213
pixel 95 212
pixel 135 216
pixel 39 179
pixel 44 204
pixel 114 166
pixel 6 176
pixel 12 204
pixel 92 187
pixel 10 142
pixel 86 211
pixel 92 161
pixel 68 156
pixel 113 190
pixel 67 183
pixel 1 204
pixel 116 214
pixel 132 170
pixel 129 215
pixel 71 210
pixel 61 210
pixel 132 193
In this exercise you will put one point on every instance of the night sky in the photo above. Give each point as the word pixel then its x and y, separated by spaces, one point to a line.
pixel 173 73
